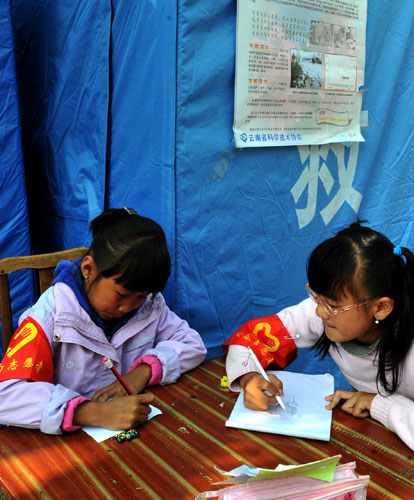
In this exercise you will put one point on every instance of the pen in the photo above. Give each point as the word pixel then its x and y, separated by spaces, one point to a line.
pixel 264 374
pixel 132 433
pixel 108 363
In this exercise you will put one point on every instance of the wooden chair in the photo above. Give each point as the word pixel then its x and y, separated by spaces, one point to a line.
pixel 44 267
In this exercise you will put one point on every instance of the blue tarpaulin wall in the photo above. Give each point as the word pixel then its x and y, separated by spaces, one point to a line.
pixel 131 103
pixel 14 223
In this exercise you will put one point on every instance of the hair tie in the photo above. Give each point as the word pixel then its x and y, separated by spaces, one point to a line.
pixel 130 211
pixel 397 250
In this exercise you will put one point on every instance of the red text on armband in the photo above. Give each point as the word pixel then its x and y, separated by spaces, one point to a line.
pixel 29 355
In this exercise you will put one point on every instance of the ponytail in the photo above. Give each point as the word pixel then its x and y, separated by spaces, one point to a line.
pixel 399 325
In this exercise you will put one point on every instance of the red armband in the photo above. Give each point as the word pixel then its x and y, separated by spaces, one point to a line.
pixel 269 340
pixel 29 354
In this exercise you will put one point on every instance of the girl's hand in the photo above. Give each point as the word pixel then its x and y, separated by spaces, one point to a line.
pixel 119 413
pixel 357 404
pixel 136 380
pixel 254 386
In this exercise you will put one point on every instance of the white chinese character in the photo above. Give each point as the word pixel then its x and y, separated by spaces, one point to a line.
pixel 313 172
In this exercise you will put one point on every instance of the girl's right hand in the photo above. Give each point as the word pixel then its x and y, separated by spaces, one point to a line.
pixel 136 380
pixel 123 412
pixel 254 386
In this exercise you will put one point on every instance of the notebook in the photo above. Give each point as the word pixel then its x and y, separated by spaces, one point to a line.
pixel 305 415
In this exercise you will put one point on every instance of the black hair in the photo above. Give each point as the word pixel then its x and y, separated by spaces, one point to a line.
pixel 362 261
pixel 132 247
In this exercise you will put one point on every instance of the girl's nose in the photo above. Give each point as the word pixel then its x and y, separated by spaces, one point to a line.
pixel 130 303
pixel 320 312
pixel 126 306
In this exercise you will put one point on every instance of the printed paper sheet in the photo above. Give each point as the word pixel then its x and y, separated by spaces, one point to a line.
pixel 299 68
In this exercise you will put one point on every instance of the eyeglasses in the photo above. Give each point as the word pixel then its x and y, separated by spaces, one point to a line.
pixel 329 309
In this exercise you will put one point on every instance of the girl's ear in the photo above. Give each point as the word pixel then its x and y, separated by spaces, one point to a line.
pixel 88 267
pixel 383 307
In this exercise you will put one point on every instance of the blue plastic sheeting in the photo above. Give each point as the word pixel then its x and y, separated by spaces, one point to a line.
pixel 248 219
pixel 62 52
pixel 98 124
pixel 14 234
pixel 142 112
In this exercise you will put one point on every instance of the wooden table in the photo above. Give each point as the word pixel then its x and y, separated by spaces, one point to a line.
pixel 174 456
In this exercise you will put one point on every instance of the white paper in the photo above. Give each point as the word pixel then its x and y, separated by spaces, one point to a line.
pixel 242 470
pixel 100 433
pixel 305 414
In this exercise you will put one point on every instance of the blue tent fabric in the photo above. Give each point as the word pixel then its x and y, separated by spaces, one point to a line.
pixel 62 51
pixel 205 67
pixel 14 224
pixel 132 104
pixel 98 126
pixel 248 219
pixel 142 112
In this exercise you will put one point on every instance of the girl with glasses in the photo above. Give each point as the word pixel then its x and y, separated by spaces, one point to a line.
pixel 360 310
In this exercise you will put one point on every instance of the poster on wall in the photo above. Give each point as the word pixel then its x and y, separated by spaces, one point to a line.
pixel 299 69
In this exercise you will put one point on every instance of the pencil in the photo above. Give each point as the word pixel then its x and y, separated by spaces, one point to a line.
pixel 108 363
pixel 264 375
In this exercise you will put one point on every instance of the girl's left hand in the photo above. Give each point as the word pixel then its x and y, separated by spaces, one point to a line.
pixel 357 404
pixel 136 380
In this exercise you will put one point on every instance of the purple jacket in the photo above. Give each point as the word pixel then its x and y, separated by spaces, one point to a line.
pixel 78 346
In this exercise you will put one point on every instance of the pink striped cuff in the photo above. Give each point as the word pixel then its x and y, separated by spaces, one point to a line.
pixel 156 368
pixel 67 425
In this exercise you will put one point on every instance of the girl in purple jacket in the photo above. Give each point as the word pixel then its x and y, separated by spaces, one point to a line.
pixel 106 304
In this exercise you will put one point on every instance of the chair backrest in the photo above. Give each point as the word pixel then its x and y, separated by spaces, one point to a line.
pixel 44 267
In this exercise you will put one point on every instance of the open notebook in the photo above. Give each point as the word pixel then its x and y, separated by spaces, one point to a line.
pixel 305 414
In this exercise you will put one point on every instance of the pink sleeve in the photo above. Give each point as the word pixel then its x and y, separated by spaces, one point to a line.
pixel 68 415
pixel 156 368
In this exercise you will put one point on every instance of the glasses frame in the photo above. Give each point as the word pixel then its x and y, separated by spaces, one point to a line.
pixel 330 311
